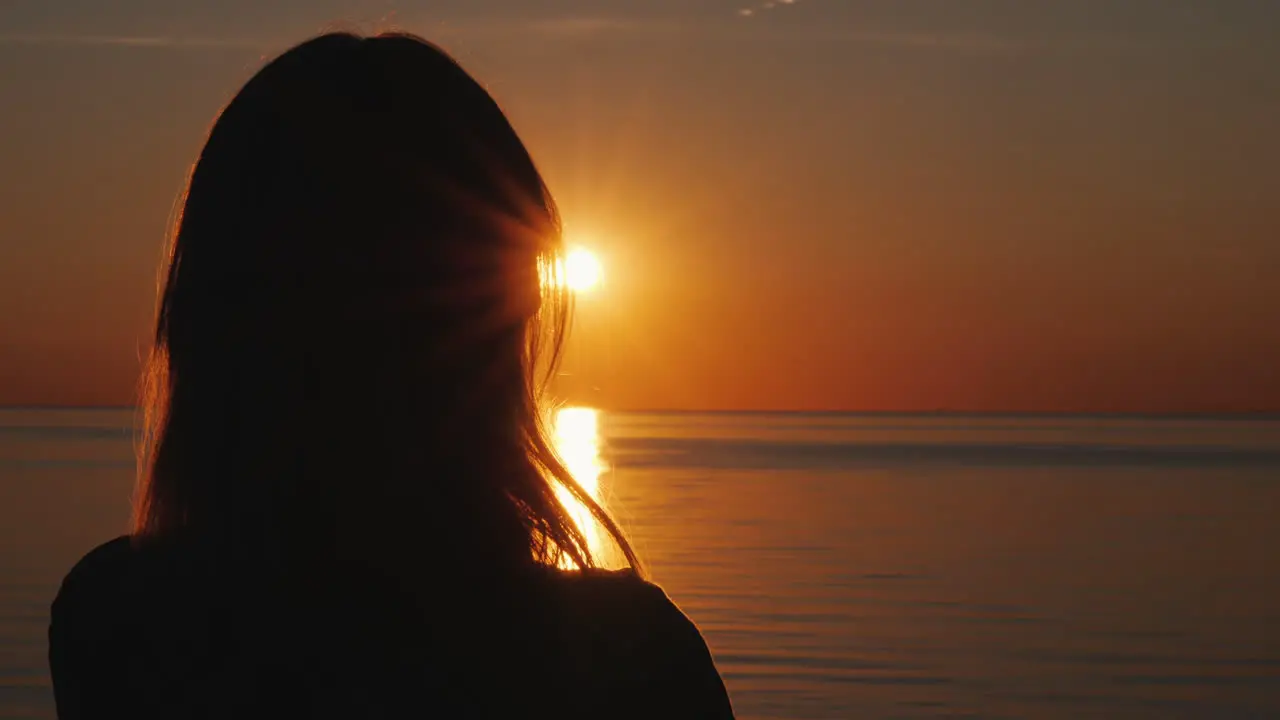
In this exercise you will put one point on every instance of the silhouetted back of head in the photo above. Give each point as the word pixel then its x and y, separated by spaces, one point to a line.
pixel 358 293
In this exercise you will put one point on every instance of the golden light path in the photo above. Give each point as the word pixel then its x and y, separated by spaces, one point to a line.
pixel 577 440
pixel 576 429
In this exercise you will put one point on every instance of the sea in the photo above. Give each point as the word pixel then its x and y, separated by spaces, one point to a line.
pixel 847 565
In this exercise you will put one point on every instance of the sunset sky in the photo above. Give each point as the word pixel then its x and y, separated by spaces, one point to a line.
pixel 1058 205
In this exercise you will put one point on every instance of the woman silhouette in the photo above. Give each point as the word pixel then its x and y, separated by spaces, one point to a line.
pixel 347 506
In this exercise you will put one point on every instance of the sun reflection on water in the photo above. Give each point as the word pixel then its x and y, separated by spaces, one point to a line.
pixel 577 440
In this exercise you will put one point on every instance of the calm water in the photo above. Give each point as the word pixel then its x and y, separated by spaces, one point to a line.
pixel 849 566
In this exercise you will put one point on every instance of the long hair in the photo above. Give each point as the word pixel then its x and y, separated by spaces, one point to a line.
pixel 358 318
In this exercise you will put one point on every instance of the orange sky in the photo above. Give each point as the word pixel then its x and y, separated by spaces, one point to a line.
pixel 839 206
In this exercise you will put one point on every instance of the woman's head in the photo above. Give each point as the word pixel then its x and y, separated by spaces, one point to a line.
pixel 359 300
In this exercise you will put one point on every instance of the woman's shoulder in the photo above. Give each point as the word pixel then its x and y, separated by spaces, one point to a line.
pixel 111 578
pixel 101 570
pixel 617 595
pixel 634 639
pixel 110 555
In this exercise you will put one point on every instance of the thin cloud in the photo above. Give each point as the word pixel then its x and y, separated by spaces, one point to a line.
pixel 748 12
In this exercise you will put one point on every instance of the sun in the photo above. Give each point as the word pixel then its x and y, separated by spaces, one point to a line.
pixel 582 270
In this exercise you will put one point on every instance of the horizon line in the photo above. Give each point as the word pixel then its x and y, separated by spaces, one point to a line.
pixel 939 412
